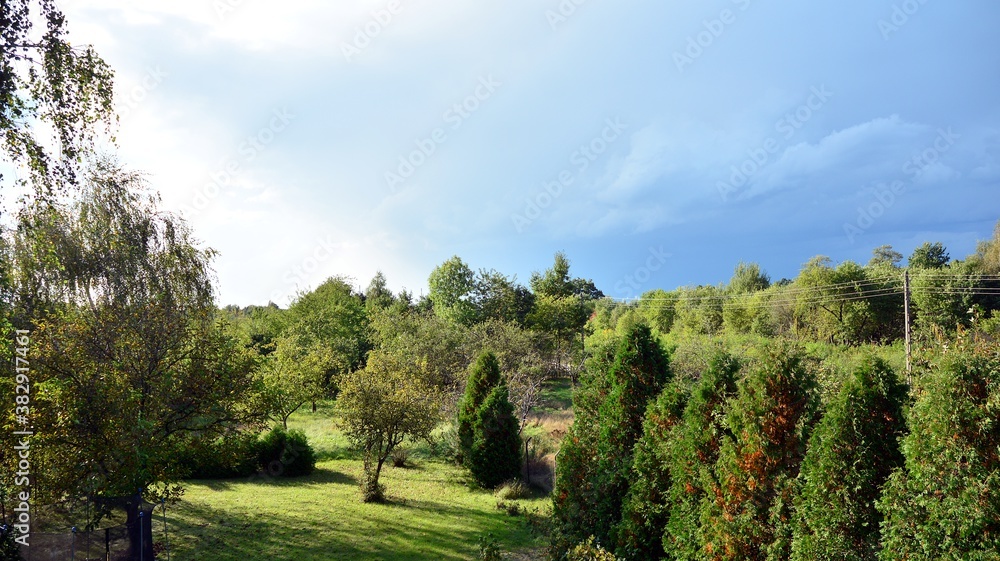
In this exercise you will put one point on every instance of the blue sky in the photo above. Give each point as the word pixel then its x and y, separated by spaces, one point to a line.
pixel 656 143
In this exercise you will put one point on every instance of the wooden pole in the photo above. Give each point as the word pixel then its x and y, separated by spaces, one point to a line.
pixel 906 313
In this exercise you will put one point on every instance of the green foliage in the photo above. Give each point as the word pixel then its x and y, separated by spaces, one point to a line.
pixel 851 454
pixel 699 310
pixel 885 255
pixel 988 253
pixel 489 549
pixel 659 308
pixel 589 550
pixel 286 453
pixel 639 534
pixel 381 406
pixel 769 423
pixel 227 457
pixel 451 290
pixel 929 256
pixel 483 378
pixel 944 295
pixel 694 451
pixel 44 80
pixel 495 455
pixel 945 502
pixel 9 549
pixel 500 298
pixel 748 278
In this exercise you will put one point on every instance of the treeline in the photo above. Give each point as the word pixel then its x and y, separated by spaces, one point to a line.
pixel 846 304
pixel 744 461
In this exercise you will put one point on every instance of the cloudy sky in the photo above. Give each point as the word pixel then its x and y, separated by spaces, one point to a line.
pixel 656 142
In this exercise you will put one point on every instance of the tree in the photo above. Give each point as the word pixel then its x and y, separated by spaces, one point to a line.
pixel 640 371
pixel 497 297
pixel 555 281
pixel 693 454
pixel 885 255
pixel 639 534
pixel 943 297
pixel 945 502
pixel 659 308
pixel 43 79
pixel 851 454
pixel 381 406
pixel 769 422
pixel 832 304
pixel 929 256
pixel 131 363
pixel 483 378
pixel 748 278
pixel 988 253
pixel 378 295
pixel 519 356
pixel 293 376
pixel 331 318
pixel 452 284
pixel 495 455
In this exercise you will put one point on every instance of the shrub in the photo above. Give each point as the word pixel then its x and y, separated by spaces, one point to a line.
pixel 287 454
pixel 400 458
pixel 496 450
pixel 590 550
pixel 945 502
pixel 851 454
pixel 513 490
pixel 228 457
pixel 485 376
pixel 770 421
pixel 9 550
pixel 489 549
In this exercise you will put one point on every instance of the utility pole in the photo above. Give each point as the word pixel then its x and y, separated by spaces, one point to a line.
pixel 906 313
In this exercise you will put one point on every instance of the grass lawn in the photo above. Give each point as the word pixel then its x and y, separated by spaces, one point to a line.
pixel 433 513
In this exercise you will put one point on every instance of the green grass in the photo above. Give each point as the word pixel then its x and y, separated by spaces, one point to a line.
pixel 433 513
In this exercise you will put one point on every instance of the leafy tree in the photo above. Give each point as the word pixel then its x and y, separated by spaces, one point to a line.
pixel 497 297
pixel 522 367
pixel 332 320
pixel 452 284
pixel 945 502
pixel 832 302
pixel 851 454
pixel 483 378
pixel 659 308
pixel 381 406
pixel 378 295
pixel 988 253
pixel 293 376
pixel 694 452
pixel 439 345
pixel 45 80
pixel 131 364
pixel 747 278
pixel 770 420
pixel 885 255
pixel 555 281
pixel 495 455
pixel 943 297
pixel 929 256
pixel 699 310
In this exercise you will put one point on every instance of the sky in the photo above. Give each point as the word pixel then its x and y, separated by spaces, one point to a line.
pixel 656 143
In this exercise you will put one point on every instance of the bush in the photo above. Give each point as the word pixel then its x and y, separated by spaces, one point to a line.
pixel 590 550
pixel 9 550
pixel 496 449
pixel 489 549
pixel 287 454
pixel 485 376
pixel 513 490
pixel 400 458
pixel 229 457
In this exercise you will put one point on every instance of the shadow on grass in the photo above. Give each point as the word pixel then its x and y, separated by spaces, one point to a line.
pixel 409 529
pixel 321 476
